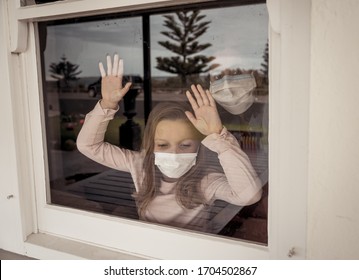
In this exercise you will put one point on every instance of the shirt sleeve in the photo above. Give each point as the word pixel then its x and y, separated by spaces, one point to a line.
pixel 240 184
pixel 90 141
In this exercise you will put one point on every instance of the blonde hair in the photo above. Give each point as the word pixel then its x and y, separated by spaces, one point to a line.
pixel 188 192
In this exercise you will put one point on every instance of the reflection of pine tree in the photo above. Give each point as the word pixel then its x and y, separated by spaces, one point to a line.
pixel 64 70
pixel 184 30
pixel 265 63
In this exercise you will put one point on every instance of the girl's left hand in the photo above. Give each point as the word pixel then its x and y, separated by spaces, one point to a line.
pixel 206 118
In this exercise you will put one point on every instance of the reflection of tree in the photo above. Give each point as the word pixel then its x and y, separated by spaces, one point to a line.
pixel 184 30
pixel 64 70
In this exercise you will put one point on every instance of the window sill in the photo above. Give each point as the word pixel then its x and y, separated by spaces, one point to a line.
pixel 44 246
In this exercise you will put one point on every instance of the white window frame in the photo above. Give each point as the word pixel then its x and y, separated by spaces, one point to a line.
pixel 289 46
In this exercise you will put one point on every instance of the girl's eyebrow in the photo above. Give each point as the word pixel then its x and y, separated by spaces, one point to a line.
pixel 180 141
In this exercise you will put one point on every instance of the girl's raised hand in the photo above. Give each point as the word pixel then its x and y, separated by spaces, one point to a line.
pixel 111 83
pixel 206 118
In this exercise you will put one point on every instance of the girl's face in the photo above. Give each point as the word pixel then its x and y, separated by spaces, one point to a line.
pixel 176 136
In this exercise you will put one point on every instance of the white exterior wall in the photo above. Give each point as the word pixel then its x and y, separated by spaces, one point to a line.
pixel 10 217
pixel 333 210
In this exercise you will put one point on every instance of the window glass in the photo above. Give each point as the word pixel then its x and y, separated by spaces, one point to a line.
pixel 231 45
pixel 72 87
pixel 225 50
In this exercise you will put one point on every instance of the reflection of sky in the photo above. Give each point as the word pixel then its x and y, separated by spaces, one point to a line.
pixel 238 36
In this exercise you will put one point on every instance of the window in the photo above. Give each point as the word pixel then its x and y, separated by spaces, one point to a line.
pixel 72 88
pixel 234 42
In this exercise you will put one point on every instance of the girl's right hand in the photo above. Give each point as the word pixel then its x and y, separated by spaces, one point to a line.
pixel 111 83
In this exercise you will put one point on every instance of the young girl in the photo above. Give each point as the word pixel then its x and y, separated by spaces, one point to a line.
pixel 175 184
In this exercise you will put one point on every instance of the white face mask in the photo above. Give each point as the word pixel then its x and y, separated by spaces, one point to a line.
pixel 175 165
pixel 234 92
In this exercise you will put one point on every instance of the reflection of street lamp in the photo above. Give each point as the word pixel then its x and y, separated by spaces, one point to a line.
pixel 130 132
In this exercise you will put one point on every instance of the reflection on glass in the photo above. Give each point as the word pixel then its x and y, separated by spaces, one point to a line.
pixel 224 50
pixel 236 51
pixel 183 33
pixel 72 88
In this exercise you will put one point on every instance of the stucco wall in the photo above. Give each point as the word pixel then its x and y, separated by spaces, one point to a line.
pixel 333 213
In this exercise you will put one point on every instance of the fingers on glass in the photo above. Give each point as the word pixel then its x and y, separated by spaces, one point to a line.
pixel 126 87
pixel 102 70
pixel 211 100
pixel 115 65
pixel 120 68
pixel 203 95
pixel 109 65
pixel 191 100
pixel 197 95
pixel 113 69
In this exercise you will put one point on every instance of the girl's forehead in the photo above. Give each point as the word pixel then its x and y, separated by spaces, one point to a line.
pixel 175 130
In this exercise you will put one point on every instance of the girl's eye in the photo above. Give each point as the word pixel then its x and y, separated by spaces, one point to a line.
pixel 184 146
pixel 161 145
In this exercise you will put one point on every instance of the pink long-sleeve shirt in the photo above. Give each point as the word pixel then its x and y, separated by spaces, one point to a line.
pixel 239 184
